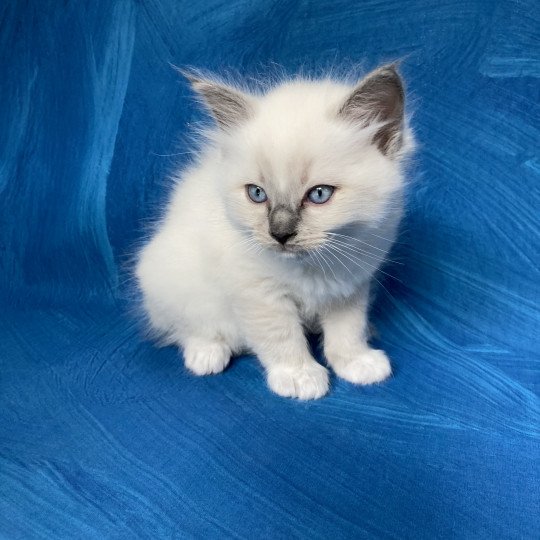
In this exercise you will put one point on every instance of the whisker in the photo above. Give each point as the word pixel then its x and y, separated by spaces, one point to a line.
pixel 371 277
pixel 254 248
pixel 328 264
pixel 323 262
pixel 357 240
pixel 348 256
pixel 244 242
pixel 318 264
pixel 382 237
pixel 341 262
pixel 356 249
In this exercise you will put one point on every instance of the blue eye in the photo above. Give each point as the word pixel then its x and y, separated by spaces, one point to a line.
pixel 256 193
pixel 320 194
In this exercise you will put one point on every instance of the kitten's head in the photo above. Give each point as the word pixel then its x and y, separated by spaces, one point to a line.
pixel 308 157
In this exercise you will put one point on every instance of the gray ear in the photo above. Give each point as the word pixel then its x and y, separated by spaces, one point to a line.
pixel 228 106
pixel 379 97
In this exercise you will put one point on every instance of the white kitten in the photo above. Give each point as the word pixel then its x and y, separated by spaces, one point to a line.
pixel 291 207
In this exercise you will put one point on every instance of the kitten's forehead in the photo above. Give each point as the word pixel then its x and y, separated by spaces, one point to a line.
pixel 296 140
pixel 290 133
pixel 286 171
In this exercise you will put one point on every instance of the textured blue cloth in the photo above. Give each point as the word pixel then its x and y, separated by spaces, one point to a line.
pixel 102 435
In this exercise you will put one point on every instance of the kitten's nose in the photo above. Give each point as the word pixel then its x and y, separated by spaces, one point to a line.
pixel 282 237
pixel 282 223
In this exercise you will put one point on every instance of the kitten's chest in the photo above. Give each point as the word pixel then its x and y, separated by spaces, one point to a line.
pixel 313 292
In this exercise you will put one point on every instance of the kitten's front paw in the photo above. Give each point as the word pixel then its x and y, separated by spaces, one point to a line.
pixel 206 358
pixel 369 367
pixel 308 381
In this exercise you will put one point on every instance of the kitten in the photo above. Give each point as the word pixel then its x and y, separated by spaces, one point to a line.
pixel 281 223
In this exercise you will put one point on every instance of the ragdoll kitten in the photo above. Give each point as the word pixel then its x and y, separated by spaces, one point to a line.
pixel 289 210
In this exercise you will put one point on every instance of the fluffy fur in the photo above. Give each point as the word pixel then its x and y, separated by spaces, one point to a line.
pixel 215 280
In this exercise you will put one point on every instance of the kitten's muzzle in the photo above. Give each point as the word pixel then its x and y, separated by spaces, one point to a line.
pixel 282 223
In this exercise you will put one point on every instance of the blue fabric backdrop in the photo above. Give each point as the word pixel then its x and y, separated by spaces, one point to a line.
pixel 104 436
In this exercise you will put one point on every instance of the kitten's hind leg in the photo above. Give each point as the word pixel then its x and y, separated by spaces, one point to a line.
pixel 346 348
pixel 206 357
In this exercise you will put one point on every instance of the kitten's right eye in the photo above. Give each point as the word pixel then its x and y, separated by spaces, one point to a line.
pixel 256 193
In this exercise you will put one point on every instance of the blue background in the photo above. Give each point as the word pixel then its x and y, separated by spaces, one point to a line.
pixel 102 435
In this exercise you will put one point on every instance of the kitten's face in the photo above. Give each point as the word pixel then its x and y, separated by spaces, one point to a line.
pixel 298 165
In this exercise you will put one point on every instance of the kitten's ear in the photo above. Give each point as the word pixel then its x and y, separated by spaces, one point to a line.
pixel 379 97
pixel 228 106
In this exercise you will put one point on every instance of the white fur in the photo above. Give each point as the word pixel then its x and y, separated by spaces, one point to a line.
pixel 213 280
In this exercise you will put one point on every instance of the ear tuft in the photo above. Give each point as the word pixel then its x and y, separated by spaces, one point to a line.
pixel 229 106
pixel 379 97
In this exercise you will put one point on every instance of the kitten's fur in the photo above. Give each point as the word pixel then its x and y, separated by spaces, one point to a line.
pixel 215 282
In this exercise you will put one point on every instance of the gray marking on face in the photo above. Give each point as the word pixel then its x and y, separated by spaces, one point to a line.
pixel 283 221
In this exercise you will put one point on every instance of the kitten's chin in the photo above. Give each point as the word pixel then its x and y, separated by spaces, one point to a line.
pixel 281 251
pixel 291 252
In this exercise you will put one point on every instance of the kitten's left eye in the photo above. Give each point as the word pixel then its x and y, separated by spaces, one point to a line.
pixel 320 194
pixel 256 193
